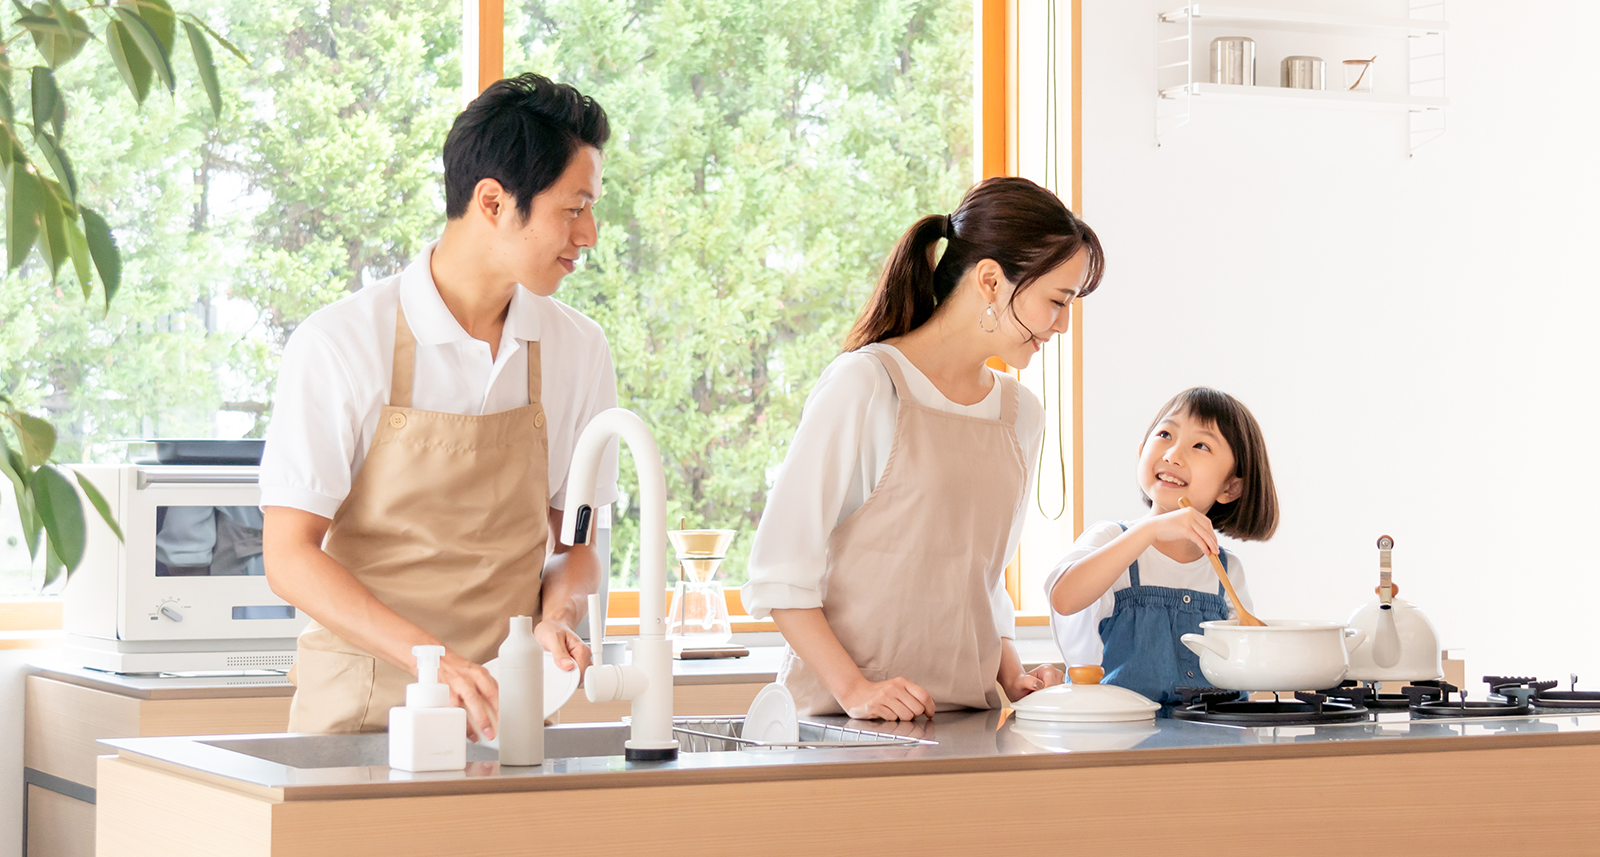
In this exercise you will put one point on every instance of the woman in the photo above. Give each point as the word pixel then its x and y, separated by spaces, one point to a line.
pixel 882 551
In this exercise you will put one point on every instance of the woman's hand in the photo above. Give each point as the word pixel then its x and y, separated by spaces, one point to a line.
pixel 1040 677
pixel 564 645
pixel 895 699
pixel 1189 524
pixel 472 688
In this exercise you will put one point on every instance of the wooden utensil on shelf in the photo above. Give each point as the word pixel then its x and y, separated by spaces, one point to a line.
pixel 1222 574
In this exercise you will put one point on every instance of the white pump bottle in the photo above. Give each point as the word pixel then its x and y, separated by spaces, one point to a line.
pixel 427 733
pixel 521 677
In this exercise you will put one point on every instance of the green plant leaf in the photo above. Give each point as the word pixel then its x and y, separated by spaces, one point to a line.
pixel 22 8
pixel 159 15
pixel 10 152
pixel 53 566
pixel 54 220
pixel 38 439
pixel 129 60
pixel 149 45
pixel 78 249
pixel 206 66
pixel 98 500
pixel 62 514
pixel 59 163
pixel 12 465
pixel 8 111
pixel 219 39
pixel 103 249
pixel 25 202
pixel 58 40
pixel 49 108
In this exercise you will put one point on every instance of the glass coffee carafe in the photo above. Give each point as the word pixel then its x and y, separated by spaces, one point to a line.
pixel 698 615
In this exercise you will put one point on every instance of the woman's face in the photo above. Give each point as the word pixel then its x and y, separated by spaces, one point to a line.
pixel 1041 311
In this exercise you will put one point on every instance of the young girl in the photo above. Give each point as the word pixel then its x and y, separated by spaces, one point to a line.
pixel 882 550
pixel 1126 592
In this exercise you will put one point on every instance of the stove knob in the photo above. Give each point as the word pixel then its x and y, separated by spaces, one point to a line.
pixel 171 612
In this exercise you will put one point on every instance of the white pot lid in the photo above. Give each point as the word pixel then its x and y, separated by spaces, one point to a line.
pixel 1085 703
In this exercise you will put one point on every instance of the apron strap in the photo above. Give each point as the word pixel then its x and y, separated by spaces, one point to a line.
pixel 1009 397
pixel 535 367
pixel 1133 570
pixel 902 391
pixel 405 360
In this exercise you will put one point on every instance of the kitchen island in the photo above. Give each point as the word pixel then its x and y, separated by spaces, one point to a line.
pixel 977 782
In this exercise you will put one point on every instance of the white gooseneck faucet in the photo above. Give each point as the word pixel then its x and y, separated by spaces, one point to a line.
pixel 647 682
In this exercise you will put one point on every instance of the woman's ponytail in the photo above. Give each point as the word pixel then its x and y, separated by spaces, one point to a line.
pixel 905 297
pixel 1018 224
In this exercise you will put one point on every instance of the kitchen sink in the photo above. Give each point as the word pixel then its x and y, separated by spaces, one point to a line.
pixel 563 741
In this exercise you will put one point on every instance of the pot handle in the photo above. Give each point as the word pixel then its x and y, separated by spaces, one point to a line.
pixel 1197 643
pixel 1353 638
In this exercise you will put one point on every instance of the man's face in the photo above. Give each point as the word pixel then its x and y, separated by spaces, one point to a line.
pixel 560 224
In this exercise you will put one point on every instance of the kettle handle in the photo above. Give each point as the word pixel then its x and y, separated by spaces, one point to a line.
pixel 1353 638
pixel 1200 644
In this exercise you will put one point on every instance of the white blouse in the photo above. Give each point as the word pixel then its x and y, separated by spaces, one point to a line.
pixel 838 454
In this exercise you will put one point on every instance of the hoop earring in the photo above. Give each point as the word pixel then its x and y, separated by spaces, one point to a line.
pixel 990 314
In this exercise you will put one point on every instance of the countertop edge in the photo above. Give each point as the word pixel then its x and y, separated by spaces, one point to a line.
pixel 871 769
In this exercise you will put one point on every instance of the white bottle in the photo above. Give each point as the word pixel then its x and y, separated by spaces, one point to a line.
pixel 427 733
pixel 521 676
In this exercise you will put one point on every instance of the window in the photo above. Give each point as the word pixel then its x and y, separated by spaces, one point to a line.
pixel 760 170
pixel 321 176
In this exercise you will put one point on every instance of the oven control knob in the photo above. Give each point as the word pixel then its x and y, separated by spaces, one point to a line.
pixel 171 612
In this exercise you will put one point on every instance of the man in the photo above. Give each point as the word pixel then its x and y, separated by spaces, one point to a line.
pixel 416 462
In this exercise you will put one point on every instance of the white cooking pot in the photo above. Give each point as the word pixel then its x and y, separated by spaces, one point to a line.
pixel 1285 654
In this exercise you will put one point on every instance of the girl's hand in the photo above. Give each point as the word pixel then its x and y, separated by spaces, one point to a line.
pixel 895 699
pixel 1184 525
pixel 1038 678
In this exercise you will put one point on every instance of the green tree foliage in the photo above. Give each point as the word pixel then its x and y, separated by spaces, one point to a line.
pixel 764 158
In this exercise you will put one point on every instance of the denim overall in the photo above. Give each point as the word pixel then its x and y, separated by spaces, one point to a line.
pixel 1143 652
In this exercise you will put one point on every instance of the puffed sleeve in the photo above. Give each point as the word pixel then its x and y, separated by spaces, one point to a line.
pixel 790 554
pixel 315 430
pixel 1078 635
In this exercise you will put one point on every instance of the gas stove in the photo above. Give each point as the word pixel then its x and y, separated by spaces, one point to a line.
pixel 1509 696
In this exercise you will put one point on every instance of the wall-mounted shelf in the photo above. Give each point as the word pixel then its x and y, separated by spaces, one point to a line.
pixel 1307 22
pixel 1179 87
pixel 1306 97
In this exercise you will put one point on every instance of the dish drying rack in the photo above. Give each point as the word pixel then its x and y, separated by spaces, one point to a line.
pixel 724 734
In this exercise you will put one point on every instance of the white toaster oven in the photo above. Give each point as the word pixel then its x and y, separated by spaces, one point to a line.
pixel 186 591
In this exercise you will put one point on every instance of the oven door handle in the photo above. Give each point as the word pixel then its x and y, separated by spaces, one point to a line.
pixel 147 479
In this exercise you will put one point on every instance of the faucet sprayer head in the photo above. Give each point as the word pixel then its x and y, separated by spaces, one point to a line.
pixel 575 525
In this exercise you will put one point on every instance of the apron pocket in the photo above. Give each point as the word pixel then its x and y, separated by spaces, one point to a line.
pixel 333 691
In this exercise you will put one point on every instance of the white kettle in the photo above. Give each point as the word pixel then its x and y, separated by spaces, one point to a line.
pixel 1402 644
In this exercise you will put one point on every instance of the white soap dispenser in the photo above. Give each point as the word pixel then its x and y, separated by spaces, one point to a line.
pixel 521 677
pixel 427 733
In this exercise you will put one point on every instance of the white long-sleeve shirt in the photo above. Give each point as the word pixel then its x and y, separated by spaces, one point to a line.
pixel 837 457
pixel 1078 634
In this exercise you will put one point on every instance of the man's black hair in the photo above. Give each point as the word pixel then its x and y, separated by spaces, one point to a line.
pixel 522 132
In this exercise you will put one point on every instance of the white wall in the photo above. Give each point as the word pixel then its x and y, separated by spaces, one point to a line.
pixel 1415 335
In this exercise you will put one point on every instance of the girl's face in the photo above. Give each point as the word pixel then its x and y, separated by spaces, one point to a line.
pixel 1184 457
pixel 1041 311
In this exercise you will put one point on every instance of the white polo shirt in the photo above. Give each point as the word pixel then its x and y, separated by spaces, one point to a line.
pixel 337 367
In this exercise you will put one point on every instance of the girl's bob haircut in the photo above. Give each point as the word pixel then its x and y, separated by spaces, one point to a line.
pixel 1254 516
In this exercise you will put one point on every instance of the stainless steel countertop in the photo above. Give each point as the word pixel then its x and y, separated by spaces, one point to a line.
pixel 966 742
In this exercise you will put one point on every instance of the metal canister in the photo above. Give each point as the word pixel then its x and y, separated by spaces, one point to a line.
pixel 1303 73
pixel 1233 60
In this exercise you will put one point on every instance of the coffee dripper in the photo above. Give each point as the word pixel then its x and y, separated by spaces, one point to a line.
pixel 698 615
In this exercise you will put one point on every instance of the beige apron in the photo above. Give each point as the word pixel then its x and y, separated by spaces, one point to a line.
pixel 910 573
pixel 446 524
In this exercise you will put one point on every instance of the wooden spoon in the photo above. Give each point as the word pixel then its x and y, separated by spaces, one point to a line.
pixel 1222 574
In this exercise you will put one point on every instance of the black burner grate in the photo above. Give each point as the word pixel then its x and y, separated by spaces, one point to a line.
pixel 1542 695
pixel 1212 705
pixel 1435 702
